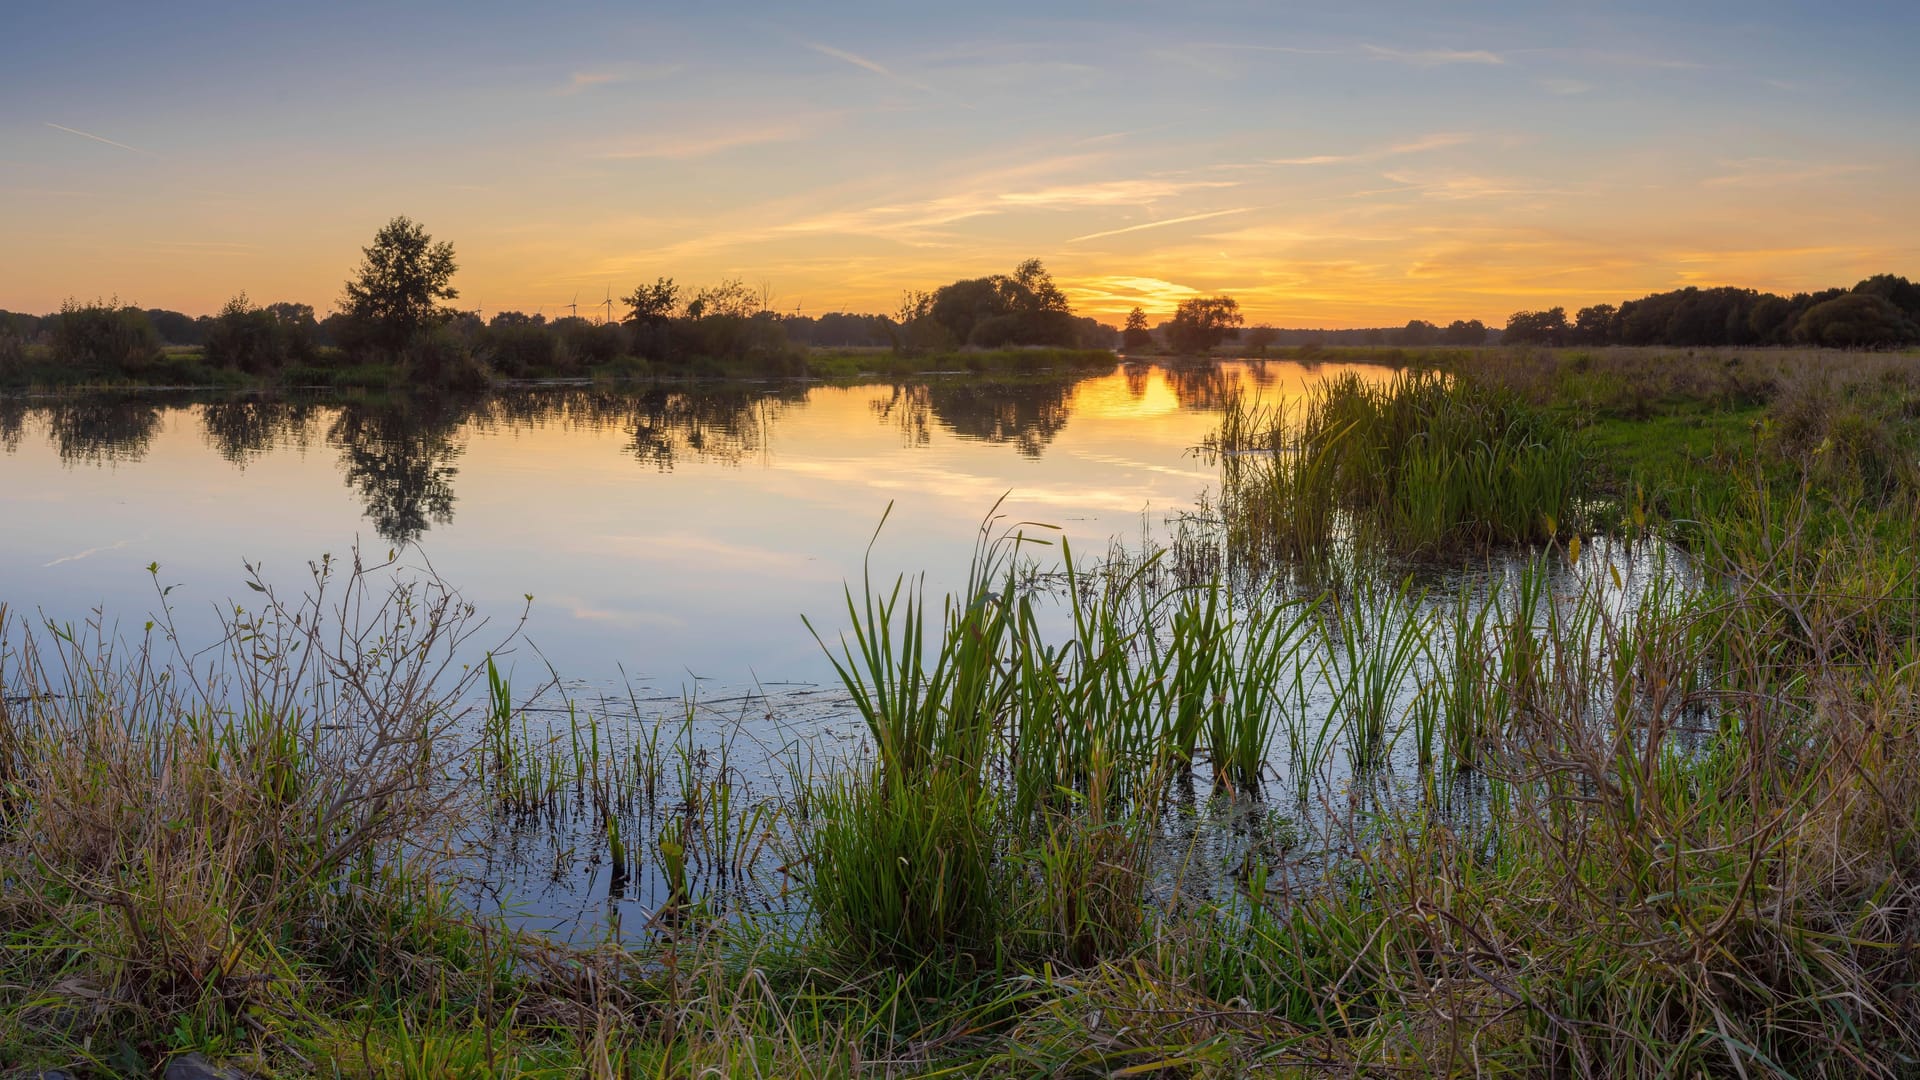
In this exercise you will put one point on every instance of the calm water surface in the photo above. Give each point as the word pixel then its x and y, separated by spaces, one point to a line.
pixel 666 535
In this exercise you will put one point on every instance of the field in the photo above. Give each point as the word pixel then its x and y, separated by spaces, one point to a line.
pixel 1539 712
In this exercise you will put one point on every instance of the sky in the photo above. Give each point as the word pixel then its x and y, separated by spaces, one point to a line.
pixel 1328 165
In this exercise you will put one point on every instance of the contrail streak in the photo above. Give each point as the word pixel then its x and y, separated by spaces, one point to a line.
pixel 96 138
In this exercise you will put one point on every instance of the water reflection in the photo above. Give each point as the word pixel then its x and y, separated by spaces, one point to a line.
pixel 102 430
pixel 244 429
pixel 401 454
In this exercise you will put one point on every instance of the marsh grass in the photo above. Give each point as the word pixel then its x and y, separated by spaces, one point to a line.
pixel 1425 464
pixel 1596 817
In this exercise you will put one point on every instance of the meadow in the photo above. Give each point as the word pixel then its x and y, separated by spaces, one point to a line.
pixel 1534 712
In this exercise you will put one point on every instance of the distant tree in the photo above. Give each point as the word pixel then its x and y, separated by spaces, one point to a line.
pixel 1771 320
pixel 1547 327
pixel 1594 325
pixel 1418 333
pixel 1135 334
pixel 260 340
pixel 729 299
pixel 1464 332
pixel 1035 290
pixel 1897 291
pixel 1856 320
pixel 652 304
pixel 504 319
pixel 1261 338
pixel 1203 322
pixel 104 333
pixel 176 328
pixel 1022 308
pixel 398 289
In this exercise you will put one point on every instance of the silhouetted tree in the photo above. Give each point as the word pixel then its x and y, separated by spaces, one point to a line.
pixel 1594 325
pixel 651 305
pixel 1418 333
pixel 1464 332
pixel 1547 327
pixel 1202 322
pixel 1856 320
pixel 1135 334
pixel 1261 338
pixel 398 289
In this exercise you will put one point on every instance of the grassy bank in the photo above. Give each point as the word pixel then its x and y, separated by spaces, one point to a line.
pixel 1593 818
pixel 35 369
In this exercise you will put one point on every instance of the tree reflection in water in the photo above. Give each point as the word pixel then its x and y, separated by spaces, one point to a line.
pixel 400 453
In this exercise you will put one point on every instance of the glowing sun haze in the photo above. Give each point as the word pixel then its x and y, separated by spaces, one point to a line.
pixel 1350 167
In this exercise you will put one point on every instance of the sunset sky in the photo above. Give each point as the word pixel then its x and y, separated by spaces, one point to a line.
pixel 1331 165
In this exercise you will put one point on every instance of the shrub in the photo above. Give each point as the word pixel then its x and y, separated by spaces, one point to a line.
pixel 520 349
pixel 255 340
pixel 104 335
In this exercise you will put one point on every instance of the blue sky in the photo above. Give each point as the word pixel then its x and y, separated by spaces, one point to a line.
pixel 1357 165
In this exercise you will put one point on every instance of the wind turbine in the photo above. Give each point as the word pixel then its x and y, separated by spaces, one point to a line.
pixel 608 321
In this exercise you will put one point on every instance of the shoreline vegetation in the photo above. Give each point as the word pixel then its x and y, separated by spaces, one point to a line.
pixel 1688 846
pixel 396 326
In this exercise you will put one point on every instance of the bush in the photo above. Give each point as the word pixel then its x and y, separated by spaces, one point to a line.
pixel 520 349
pixel 436 358
pixel 586 344
pixel 255 340
pixel 104 335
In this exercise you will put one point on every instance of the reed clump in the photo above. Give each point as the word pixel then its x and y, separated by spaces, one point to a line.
pixel 1424 464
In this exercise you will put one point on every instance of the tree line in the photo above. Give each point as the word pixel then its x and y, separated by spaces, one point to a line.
pixel 399 309
pixel 1882 311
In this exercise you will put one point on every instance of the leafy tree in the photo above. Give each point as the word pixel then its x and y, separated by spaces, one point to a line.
pixel 729 299
pixel 259 340
pixel 1418 333
pixel 504 319
pixel 399 286
pixel 1261 338
pixel 1464 332
pixel 1135 334
pixel 176 328
pixel 1897 291
pixel 104 333
pixel 1202 322
pixel 1547 327
pixel 1856 320
pixel 652 304
pixel 1023 308
pixel 1594 325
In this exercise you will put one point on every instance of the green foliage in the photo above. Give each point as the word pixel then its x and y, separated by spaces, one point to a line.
pixel 1856 320
pixel 1203 322
pixel 104 336
pixel 652 304
pixel 260 341
pixel 397 292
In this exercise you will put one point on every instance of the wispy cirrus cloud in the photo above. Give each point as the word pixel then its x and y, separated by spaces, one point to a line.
pixel 1766 172
pixel 1433 57
pixel 1437 141
pixel 98 138
pixel 689 145
pixel 579 82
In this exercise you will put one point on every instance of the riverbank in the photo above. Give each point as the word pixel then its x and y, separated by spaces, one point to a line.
pixel 1653 830
pixel 188 368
